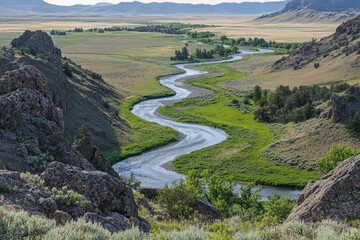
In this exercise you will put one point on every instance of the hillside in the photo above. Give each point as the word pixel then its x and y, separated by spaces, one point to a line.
pixel 82 95
pixel 315 10
pixel 40 6
pixel 343 44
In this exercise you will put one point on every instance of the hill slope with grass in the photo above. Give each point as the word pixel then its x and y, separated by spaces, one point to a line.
pixel 82 94
pixel 315 10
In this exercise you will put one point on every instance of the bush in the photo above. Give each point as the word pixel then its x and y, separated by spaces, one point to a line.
pixel 191 233
pixel 68 197
pixel 178 200
pixel 82 132
pixel 336 154
pixel 79 230
pixel 34 179
pixel 353 123
pixel 19 225
pixel 278 207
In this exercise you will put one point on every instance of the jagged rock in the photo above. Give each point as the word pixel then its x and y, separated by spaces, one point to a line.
pixel 38 42
pixel 28 112
pixel 9 181
pixel 107 192
pixel 343 105
pixel 335 196
pixel 92 153
pixel 32 199
pixel 207 210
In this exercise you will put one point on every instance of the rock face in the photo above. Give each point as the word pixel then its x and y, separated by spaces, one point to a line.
pixel 107 192
pixel 344 42
pixel 207 210
pixel 343 105
pixel 336 196
pixel 38 42
pixel 29 117
pixel 81 94
pixel 92 153
pixel 32 139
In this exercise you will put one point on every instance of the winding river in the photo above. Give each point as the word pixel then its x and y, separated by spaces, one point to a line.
pixel 149 166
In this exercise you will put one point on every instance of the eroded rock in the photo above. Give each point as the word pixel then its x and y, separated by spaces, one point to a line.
pixel 336 196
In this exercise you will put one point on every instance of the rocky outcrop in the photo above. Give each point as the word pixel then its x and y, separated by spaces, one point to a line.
pixel 81 94
pixel 107 192
pixel 335 196
pixel 344 105
pixel 38 42
pixel 31 126
pixel 92 153
pixel 344 42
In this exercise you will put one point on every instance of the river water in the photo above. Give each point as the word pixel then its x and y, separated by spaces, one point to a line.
pixel 148 167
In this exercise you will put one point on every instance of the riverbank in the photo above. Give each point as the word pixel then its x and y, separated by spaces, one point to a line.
pixel 241 156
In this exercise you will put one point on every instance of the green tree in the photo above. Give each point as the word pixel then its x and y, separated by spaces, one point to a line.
pixel 336 154
pixel 257 93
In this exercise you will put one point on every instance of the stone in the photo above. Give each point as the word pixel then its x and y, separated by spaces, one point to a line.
pixel 107 192
pixel 92 153
pixel 336 196
pixel 207 210
pixel 61 217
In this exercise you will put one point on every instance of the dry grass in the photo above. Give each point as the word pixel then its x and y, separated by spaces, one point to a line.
pixel 260 73
pixel 312 140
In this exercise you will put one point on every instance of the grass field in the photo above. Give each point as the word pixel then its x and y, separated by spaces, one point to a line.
pixel 241 156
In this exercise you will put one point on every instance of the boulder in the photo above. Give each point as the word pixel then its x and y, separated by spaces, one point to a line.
pixel 92 153
pixel 208 211
pixel 107 192
pixel 9 181
pixel 336 196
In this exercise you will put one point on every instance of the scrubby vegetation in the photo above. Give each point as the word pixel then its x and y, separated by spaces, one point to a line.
pixel 336 154
pixel 353 123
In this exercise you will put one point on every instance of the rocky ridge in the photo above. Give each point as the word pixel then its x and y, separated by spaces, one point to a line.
pixel 316 10
pixel 80 93
pixel 61 182
pixel 344 42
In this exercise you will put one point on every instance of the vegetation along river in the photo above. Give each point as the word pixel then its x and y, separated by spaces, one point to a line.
pixel 148 167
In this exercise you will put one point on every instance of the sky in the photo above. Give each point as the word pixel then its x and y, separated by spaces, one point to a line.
pixel 72 2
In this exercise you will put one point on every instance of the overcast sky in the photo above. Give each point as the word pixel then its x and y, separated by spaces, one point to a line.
pixel 72 2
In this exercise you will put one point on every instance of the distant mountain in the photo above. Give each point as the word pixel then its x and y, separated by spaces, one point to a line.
pixel 40 6
pixel 312 10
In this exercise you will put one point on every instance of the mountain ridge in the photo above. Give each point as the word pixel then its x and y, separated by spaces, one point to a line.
pixel 40 6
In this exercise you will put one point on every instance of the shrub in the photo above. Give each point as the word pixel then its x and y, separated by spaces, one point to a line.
pixel 178 200
pixel 191 233
pixel 353 123
pixel 79 230
pixel 336 154
pixel 68 197
pixel 278 207
pixel 82 132
pixel 19 225
pixel 41 161
pixel 34 179
pixel 131 181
